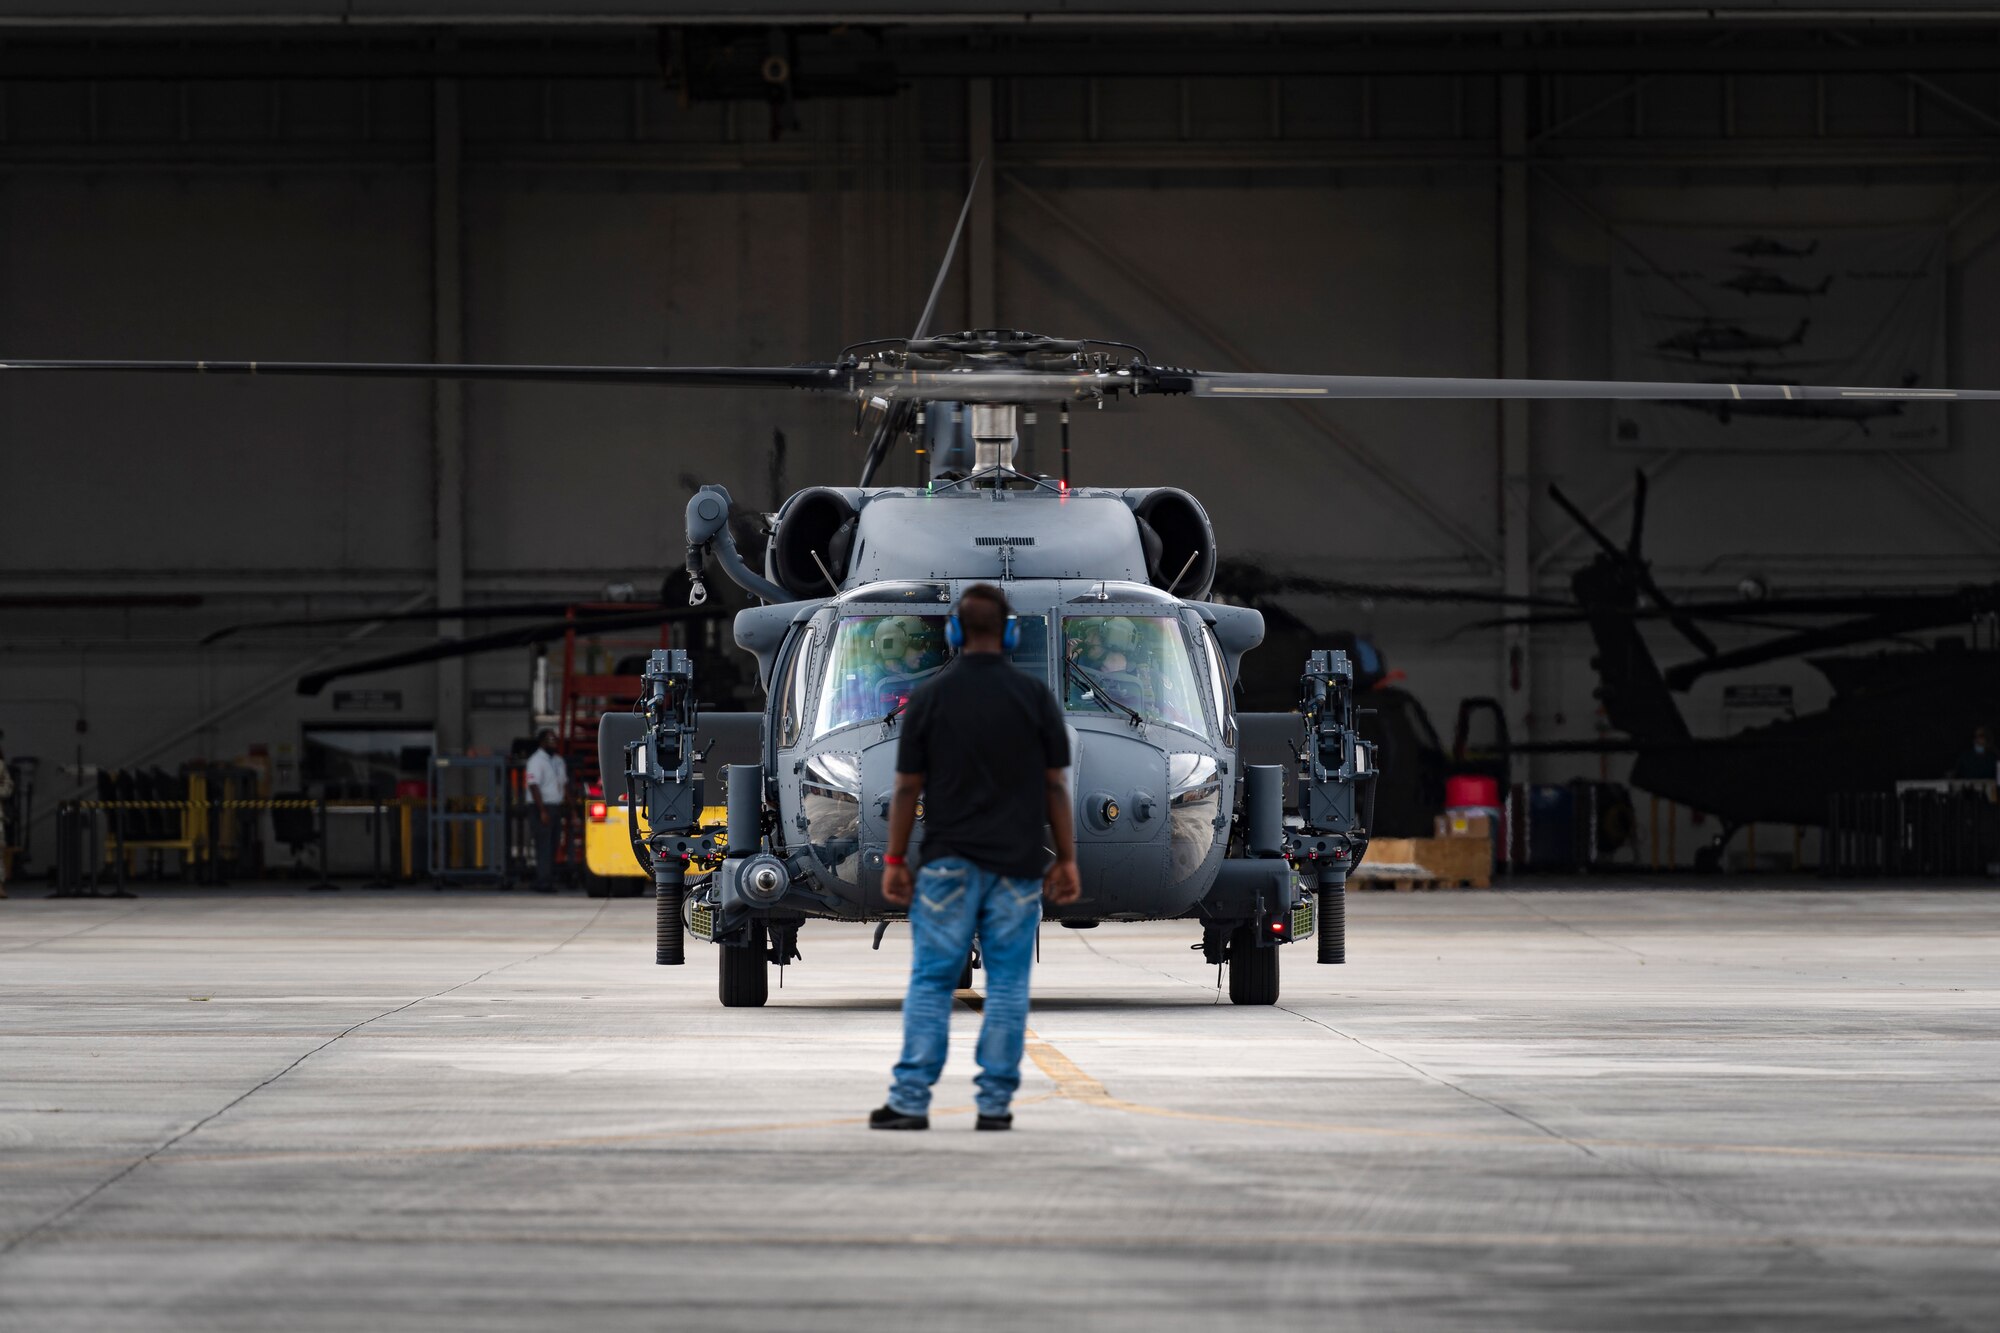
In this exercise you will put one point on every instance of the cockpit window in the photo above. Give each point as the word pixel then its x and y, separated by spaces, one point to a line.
pixel 1218 685
pixel 872 665
pixel 1138 661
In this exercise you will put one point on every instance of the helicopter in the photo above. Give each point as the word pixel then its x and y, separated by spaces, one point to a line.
pixel 1895 713
pixel 1245 825
pixel 1710 336
pixel 1752 280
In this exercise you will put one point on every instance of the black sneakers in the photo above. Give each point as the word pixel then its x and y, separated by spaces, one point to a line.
pixel 888 1117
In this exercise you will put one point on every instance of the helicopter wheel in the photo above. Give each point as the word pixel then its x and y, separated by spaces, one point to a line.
pixel 745 978
pixel 1253 968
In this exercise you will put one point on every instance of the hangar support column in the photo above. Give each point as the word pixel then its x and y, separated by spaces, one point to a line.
pixel 448 401
pixel 1516 481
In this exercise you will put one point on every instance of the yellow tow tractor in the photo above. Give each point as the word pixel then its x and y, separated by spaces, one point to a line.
pixel 613 870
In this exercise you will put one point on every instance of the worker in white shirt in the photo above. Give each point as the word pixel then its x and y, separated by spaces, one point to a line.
pixel 548 779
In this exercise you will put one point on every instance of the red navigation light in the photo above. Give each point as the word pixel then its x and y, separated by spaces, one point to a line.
pixel 1277 927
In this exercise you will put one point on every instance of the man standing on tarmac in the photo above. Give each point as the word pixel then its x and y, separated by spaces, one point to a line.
pixel 985 747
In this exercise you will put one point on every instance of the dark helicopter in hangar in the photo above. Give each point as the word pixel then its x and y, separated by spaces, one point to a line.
pixel 1895 713
pixel 1245 825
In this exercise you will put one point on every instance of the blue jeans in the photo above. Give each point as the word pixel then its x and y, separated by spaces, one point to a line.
pixel 955 898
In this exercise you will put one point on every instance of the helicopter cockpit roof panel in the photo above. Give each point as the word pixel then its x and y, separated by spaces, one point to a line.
pixel 970 534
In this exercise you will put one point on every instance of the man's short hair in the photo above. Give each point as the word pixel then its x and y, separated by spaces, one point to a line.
pixel 546 732
pixel 982 610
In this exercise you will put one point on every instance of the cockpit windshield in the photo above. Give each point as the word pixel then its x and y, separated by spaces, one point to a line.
pixel 1139 662
pixel 872 665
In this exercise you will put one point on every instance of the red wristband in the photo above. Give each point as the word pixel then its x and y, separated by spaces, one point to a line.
pixel 894 861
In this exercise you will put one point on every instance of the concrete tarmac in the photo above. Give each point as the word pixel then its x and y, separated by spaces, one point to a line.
pixel 1513 1110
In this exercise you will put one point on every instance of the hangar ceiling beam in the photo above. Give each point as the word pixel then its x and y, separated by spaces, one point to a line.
pixel 587 53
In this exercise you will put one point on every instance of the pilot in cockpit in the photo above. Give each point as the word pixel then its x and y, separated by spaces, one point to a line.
pixel 906 651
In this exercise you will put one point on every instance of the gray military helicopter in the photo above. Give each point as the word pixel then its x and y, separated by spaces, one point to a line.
pixel 1245 825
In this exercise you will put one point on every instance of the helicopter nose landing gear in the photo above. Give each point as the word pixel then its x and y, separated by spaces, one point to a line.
pixel 1253 967
pixel 744 981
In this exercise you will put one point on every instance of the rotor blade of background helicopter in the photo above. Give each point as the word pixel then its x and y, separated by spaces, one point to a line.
pixel 1236 384
pixel 525 636
pixel 820 376
pixel 1746 621
pixel 1946 606
pixel 1629 557
pixel 1888 625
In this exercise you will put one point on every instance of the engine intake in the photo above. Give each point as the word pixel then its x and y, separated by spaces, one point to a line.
pixel 817 521
pixel 1175 531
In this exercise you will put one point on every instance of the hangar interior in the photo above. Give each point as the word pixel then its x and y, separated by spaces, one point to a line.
pixel 1425 198
pixel 1639 1063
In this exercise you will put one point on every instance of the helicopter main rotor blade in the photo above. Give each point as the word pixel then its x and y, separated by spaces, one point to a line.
pixel 812 376
pixel 525 636
pixel 586 618
pixel 1235 384
pixel 950 253
pixel 897 417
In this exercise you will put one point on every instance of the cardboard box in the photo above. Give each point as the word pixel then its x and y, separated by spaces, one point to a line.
pixel 1463 826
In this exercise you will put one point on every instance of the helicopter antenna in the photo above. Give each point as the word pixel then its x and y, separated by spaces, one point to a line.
pixel 896 415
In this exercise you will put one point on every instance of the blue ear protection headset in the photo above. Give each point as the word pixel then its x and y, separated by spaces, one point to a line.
pixel 954 633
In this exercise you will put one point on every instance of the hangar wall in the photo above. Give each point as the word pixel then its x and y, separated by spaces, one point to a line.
pixel 1339 223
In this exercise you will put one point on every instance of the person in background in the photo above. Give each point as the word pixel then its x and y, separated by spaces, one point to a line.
pixel 548 782
pixel 1980 763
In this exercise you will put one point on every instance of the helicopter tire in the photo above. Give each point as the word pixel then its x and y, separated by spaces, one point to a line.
pixel 1708 859
pixel 744 981
pixel 596 886
pixel 1253 968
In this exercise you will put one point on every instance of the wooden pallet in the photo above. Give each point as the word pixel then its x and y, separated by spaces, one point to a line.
pixel 1402 876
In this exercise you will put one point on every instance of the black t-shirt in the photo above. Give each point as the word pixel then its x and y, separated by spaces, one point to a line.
pixel 984 736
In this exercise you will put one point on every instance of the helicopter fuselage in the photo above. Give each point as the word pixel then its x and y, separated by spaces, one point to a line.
pixel 1174 815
